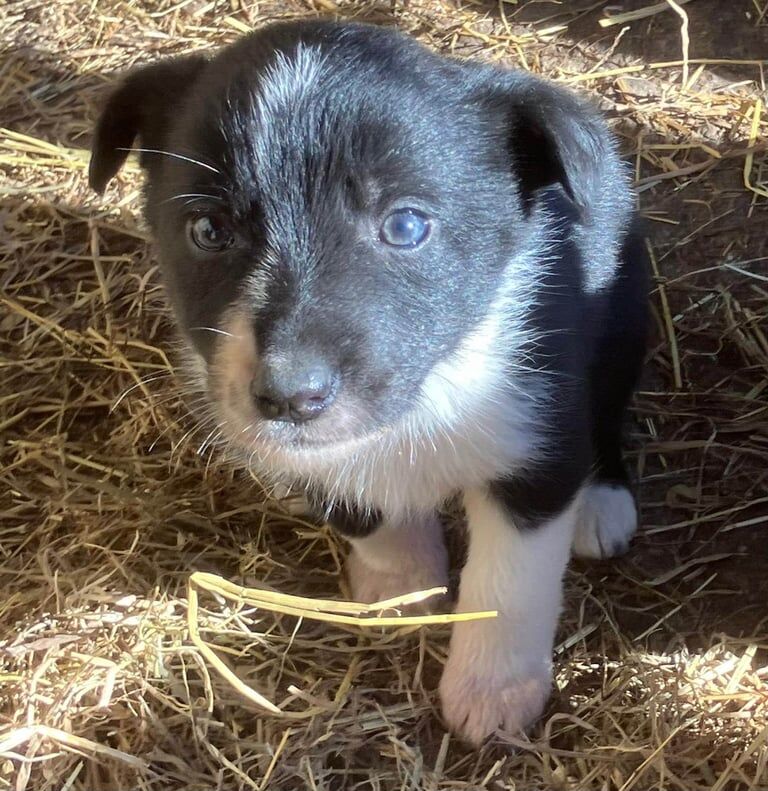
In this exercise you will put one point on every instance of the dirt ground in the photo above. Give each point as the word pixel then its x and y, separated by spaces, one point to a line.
pixel 108 503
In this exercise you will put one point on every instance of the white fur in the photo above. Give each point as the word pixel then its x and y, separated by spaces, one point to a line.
pixel 498 674
pixel 607 521
pixel 609 214
pixel 398 558
pixel 286 80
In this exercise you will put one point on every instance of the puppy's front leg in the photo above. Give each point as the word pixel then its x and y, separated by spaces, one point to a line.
pixel 398 557
pixel 498 673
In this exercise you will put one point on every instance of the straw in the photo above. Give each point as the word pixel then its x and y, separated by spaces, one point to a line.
pixel 166 623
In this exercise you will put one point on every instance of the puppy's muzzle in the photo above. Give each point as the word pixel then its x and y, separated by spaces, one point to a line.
pixel 294 391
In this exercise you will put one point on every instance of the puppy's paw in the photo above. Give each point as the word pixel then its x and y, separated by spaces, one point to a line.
pixel 476 706
pixel 370 584
pixel 607 521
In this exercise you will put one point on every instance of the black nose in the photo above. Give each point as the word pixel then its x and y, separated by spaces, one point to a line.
pixel 294 393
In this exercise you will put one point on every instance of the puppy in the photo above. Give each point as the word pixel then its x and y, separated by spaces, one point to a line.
pixel 403 277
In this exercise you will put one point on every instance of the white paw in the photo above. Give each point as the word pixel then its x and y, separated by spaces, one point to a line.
pixel 606 523
pixel 370 585
pixel 393 562
pixel 476 705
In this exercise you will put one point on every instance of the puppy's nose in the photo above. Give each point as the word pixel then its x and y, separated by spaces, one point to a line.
pixel 294 394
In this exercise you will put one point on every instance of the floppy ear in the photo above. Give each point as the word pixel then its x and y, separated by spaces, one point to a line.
pixel 142 106
pixel 556 138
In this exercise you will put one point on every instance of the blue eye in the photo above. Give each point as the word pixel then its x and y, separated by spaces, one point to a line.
pixel 405 228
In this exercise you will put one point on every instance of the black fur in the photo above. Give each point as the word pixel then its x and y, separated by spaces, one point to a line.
pixel 597 343
pixel 348 520
pixel 618 357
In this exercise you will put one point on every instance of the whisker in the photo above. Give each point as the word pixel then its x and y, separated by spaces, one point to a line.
pixel 211 454
pixel 156 403
pixel 151 448
pixel 184 442
pixel 193 195
pixel 211 438
pixel 174 155
pixel 190 407
pixel 144 380
pixel 213 329
pixel 196 427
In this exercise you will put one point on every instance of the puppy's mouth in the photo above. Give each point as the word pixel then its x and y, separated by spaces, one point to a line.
pixel 346 426
pixel 334 433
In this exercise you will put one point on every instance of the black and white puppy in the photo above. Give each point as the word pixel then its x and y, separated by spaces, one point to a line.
pixel 402 277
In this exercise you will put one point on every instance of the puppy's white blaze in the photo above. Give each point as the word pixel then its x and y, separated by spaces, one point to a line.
pixel 288 78
pixel 498 673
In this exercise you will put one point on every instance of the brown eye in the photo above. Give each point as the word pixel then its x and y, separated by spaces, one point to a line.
pixel 210 233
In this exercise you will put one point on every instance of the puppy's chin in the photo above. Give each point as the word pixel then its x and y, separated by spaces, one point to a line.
pixel 343 429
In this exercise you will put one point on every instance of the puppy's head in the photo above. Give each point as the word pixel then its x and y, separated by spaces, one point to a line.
pixel 337 210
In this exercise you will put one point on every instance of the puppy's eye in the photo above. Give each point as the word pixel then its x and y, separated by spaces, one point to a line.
pixel 405 228
pixel 210 233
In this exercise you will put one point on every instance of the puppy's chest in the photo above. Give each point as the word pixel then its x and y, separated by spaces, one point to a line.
pixel 412 471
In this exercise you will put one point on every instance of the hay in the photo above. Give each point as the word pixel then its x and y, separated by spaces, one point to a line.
pixel 111 496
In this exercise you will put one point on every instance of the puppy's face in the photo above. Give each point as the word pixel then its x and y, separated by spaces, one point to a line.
pixel 335 209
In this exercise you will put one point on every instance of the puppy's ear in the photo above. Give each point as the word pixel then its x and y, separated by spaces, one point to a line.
pixel 556 138
pixel 142 106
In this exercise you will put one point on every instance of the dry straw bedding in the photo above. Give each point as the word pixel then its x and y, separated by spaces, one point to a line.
pixel 112 495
